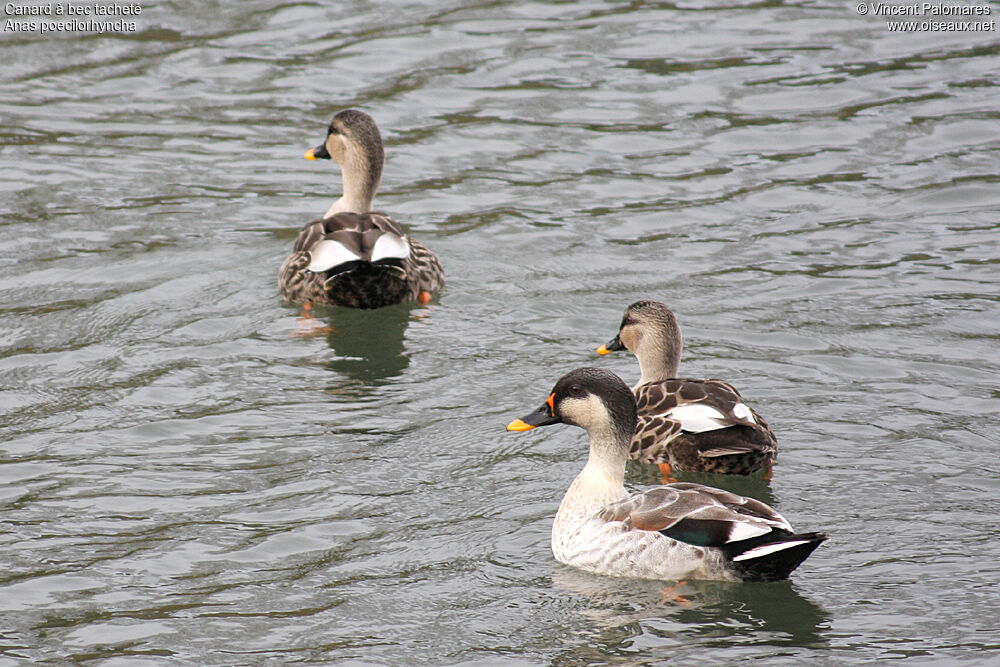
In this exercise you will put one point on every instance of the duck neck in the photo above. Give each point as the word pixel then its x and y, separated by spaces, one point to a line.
pixel 606 463
pixel 601 481
pixel 361 179
pixel 658 360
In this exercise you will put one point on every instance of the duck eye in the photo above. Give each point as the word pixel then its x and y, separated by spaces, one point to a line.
pixel 333 130
pixel 575 389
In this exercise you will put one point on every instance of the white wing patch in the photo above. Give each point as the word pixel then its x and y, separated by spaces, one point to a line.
pixel 744 531
pixel 743 412
pixel 757 552
pixel 697 418
pixel 390 246
pixel 327 254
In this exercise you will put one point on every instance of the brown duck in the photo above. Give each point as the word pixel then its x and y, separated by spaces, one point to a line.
pixel 353 256
pixel 685 424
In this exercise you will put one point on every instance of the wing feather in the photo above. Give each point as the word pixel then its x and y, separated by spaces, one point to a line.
pixel 698 405
pixel 390 246
pixel 329 253
pixel 696 514
pixel 351 237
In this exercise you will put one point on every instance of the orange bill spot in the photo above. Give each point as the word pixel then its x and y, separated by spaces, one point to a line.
pixel 551 402
pixel 309 155
pixel 424 297
pixel 603 350
pixel 518 425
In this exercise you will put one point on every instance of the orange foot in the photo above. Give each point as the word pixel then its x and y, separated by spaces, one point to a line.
pixel 308 326
pixel 667 473
pixel 424 297
pixel 670 594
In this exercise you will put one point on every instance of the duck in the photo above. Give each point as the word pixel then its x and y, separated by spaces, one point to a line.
pixel 354 256
pixel 687 425
pixel 676 531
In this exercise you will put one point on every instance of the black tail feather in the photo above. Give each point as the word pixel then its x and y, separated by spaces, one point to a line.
pixel 775 565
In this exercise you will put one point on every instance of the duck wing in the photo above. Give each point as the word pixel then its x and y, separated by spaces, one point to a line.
pixel 345 238
pixel 696 514
pixel 696 406
pixel 758 542
pixel 652 434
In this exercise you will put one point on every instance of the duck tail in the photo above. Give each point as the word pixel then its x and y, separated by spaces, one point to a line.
pixel 774 556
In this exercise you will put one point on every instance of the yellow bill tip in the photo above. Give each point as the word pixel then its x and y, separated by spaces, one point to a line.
pixel 309 155
pixel 603 350
pixel 519 425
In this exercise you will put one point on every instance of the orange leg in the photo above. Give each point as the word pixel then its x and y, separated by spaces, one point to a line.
pixel 308 326
pixel 670 594
pixel 424 297
pixel 769 473
pixel 667 473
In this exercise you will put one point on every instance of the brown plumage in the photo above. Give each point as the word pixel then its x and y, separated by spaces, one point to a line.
pixel 353 256
pixel 692 425
pixel 360 283
pixel 663 507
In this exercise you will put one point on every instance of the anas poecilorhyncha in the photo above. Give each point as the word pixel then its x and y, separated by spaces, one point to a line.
pixel 354 256
pixel 690 425
pixel 675 531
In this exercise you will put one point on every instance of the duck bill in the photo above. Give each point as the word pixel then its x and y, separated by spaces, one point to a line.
pixel 613 345
pixel 318 153
pixel 543 416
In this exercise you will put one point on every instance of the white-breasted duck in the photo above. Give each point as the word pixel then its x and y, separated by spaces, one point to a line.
pixel 676 531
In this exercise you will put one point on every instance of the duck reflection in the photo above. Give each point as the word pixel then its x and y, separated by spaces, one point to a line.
pixel 758 613
pixel 369 343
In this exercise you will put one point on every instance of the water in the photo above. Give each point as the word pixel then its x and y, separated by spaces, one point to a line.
pixel 186 482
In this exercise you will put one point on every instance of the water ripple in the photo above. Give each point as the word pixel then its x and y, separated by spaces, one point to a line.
pixel 182 480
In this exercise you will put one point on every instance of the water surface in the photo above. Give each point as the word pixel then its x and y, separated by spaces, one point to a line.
pixel 183 481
